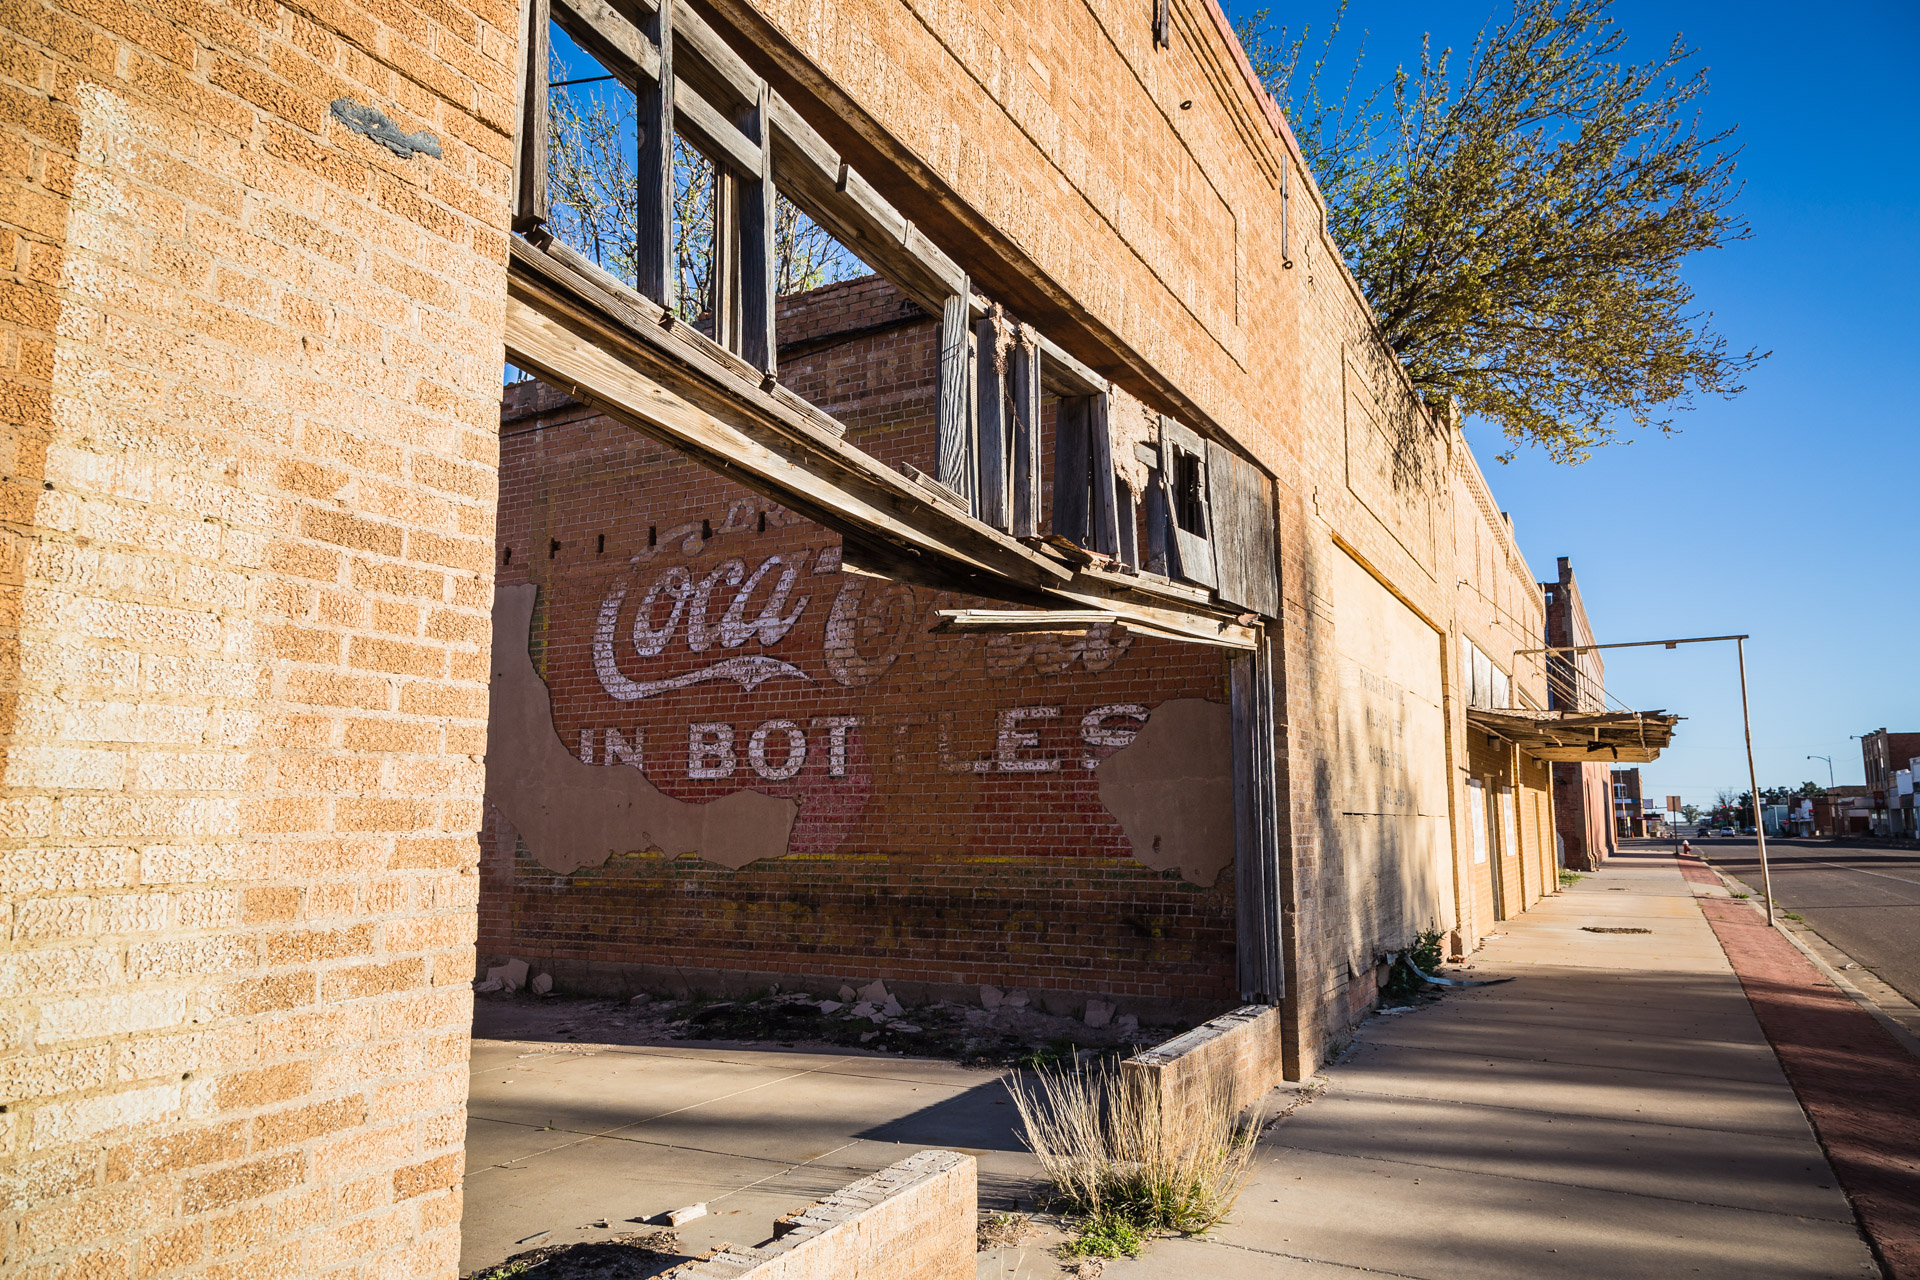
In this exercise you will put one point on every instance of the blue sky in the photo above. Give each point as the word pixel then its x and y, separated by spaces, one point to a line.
pixel 1790 512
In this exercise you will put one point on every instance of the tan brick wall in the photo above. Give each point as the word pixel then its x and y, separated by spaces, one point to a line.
pixel 248 371
pixel 913 1220
pixel 1128 199
pixel 1233 1060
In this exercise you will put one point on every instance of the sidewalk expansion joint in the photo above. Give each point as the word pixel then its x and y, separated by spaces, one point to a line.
pixel 1350 1090
pixel 1845 1219
pixel 1551 1062
pixel 1308 1258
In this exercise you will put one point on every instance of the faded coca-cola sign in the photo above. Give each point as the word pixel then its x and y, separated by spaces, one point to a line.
pixel 728 607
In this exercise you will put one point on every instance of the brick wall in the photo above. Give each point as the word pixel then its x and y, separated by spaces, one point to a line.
pixel 248 371
pixel 950 829
pixel 914 1220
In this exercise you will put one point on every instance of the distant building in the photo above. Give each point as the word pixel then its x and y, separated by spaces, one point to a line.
pixel 1629 809
pixel 1583 823
pixel 1843 811
pixel 1888 758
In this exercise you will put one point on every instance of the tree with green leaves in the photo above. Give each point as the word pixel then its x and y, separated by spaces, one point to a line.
pixel 1518 219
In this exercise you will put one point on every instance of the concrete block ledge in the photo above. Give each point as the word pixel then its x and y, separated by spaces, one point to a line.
pixel 914 1220
pixel 1238 1053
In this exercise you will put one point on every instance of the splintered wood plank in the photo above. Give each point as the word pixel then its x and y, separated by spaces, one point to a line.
pixel 717 137
pixel 990 413
pixel 757 252
pixel 1241 505
pixel 1017 620
pixel 654 273
pixel 542 344
pixel 1067 376
pixel 723 274
pixel 615 43
pixel 1223 511
pixel 1106 508
pixel 1156 520
pixel 530 170
pixel 1024 372
pixel 1070 454
pixel 953 431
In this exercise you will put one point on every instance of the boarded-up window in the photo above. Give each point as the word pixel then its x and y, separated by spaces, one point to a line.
pixel 1488 687
pixel 1240 501
pixel 1183 464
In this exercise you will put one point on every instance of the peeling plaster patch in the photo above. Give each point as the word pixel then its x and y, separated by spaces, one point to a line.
pixel 1172 789
pixel 371 122
pixel 573 815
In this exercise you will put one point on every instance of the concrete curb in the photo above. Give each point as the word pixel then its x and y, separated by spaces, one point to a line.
pixel 1857 1083
pixel 1905 1037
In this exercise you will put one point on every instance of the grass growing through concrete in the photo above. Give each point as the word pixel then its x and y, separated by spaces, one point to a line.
pixel 1117 1171
pixel 1568 879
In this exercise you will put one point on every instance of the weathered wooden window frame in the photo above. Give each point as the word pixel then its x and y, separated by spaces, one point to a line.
pixel 716 398
pixel 725 110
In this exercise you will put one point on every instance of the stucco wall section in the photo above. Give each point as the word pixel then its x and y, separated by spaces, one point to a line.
pixel 1172 789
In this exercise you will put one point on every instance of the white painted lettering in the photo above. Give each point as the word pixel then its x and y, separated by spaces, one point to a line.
pixel 618 752
pixel 886 613
pixel 1011 740
pixel 769 626
pixel 710 742
pixel 836 727
pixel 1098 735
pixel 677 584
pixel 947 761
pixel 796 750
pixel 699 638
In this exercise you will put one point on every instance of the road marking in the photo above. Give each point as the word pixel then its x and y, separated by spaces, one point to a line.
pixel 1863 871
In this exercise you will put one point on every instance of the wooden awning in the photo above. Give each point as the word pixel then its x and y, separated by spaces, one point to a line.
pixel 1624 737
pixel 672 384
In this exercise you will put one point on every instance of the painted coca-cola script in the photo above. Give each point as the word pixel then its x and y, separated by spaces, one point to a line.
pixel 678 605
pixel 683 596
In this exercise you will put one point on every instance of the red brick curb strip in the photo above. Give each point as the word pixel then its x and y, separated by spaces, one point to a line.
pixel 1859 1087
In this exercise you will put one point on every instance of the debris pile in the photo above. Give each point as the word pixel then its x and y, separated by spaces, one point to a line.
pixel 1005 1029
pixel 630 1256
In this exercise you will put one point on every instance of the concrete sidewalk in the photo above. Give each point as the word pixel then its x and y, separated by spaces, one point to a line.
pixel 562 1137
pixel 1613 1112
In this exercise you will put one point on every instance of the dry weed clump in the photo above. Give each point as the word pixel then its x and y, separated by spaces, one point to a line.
pixel 1119 1169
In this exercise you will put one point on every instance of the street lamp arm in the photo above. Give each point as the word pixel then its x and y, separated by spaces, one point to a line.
pixel 1746 720
pixel 1628 644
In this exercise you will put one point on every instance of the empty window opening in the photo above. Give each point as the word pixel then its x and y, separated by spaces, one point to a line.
pixel 805 254
pixel 1189 493
pixel 593 144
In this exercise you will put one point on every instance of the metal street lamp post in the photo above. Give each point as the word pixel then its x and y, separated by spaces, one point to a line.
pixel 1829 760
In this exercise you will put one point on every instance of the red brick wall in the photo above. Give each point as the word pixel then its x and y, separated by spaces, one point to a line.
pixel 950 828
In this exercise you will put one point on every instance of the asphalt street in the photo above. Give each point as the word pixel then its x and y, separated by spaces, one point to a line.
pixel 1864 898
